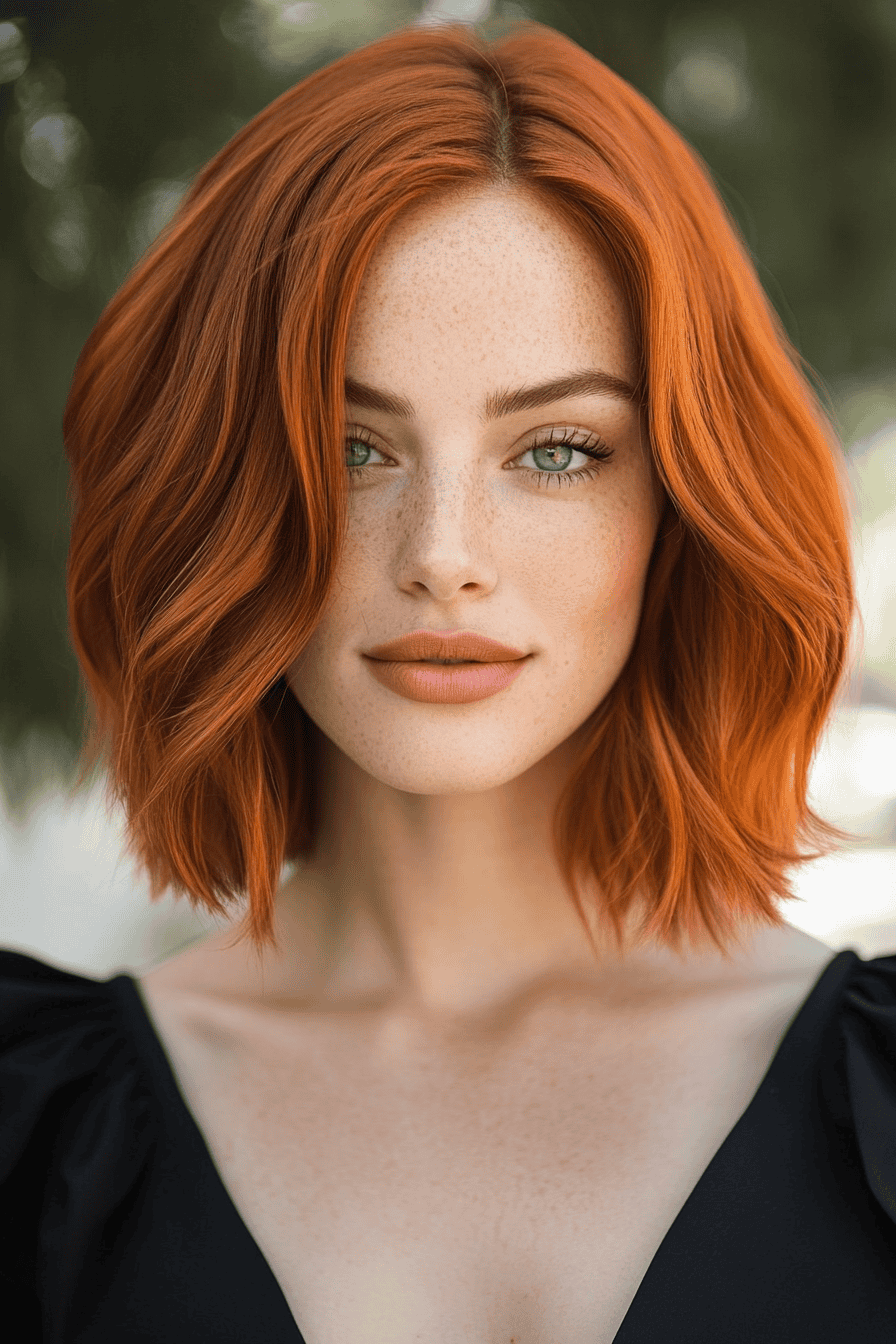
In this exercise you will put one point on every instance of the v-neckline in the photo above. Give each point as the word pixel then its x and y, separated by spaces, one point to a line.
pixel 163 1069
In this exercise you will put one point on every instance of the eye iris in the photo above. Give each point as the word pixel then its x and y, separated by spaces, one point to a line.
pixel 353 449
pixel 551 453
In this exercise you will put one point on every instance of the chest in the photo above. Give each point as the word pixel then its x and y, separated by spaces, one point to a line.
pixel 519 1194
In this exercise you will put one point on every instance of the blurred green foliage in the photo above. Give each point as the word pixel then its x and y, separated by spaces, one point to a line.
pixel 108 108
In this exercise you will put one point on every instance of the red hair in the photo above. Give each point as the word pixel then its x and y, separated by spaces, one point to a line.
pixel 204 429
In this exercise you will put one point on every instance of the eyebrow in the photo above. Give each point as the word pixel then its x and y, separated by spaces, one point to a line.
pixel 588 382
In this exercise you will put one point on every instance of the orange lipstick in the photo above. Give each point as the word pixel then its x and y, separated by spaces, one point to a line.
pixel 480 666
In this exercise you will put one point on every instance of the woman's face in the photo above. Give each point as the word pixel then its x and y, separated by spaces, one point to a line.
pixel 462 519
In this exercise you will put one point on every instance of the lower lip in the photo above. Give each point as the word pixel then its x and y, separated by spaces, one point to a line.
pixel 441 685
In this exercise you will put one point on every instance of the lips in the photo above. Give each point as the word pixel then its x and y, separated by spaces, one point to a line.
pixel 424 645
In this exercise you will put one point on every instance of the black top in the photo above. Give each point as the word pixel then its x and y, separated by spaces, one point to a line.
pixel 117 1229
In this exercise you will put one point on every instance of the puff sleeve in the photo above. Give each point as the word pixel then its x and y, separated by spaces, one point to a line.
pixel 74 1132
pixel 868 1043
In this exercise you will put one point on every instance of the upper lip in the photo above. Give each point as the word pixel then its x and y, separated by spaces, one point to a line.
pixel 465 644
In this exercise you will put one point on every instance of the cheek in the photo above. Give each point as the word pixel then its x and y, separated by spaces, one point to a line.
pixel 579 566
pixel 354 609
pixel 624 559
pixel 589 577
pixel 340 626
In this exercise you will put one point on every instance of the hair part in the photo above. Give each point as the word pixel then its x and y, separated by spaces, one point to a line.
pixel 209 498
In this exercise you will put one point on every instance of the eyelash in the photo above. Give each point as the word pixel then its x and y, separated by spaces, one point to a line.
pixel 592 446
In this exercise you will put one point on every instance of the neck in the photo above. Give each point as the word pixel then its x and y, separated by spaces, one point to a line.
pixel 443 906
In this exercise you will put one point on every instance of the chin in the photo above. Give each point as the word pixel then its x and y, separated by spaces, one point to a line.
pixel 469 759
pixel 458 776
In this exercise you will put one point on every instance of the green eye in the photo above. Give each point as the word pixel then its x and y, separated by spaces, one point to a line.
pixel 552 456
pixel 356 452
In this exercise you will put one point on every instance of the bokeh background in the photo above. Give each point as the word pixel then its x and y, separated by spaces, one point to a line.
pixel 107 110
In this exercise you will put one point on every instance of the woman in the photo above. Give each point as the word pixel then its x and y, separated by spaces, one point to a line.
pixel 452 356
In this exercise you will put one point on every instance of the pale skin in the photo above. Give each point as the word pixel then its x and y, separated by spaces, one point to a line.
pixel 440 1109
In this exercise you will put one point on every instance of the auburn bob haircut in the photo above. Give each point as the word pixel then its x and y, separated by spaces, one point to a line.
pixel 204 430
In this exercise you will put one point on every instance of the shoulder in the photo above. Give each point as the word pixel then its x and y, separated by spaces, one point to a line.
pixel 866 1017
pixel 867 1022
pixel 64 1019
pixel 872 983
pixel 72 1089
pixel 861 1059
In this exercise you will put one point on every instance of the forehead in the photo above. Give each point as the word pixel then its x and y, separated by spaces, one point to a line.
pixel 492 281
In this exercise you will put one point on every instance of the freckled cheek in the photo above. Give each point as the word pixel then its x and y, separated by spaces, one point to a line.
pixel 596 566
pixel 624 568
pixel 595 594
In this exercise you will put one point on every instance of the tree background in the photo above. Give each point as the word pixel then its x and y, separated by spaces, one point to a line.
pixel 109 107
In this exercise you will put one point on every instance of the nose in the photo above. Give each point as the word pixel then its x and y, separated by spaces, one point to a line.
pixel 445 535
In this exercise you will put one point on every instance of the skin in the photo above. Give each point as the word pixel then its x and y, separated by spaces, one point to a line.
pixel 437 1101
pixel 434 887
pixel 446 863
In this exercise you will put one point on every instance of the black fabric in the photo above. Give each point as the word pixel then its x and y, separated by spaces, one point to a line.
pixel 115 1227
